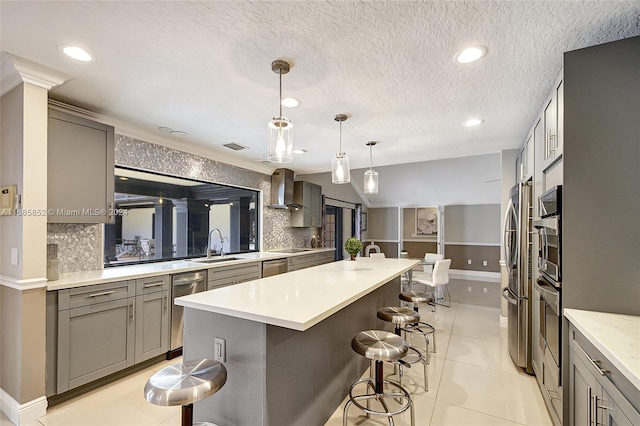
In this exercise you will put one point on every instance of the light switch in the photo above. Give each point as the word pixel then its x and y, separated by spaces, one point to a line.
pixel 14 256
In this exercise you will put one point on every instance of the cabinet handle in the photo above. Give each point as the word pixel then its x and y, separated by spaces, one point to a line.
pixel 596 365
pixel 110 212
pixel 165 302
pixel 104 293
pixel 589 410
pixel 133 310
pixel 158 284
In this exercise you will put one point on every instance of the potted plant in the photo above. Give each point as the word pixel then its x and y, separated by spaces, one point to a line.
pixel 404 253
pixel 353 246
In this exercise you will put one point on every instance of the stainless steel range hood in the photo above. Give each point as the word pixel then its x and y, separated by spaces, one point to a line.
pixel 282 190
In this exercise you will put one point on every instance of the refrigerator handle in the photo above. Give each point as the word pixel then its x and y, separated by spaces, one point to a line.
pixel 506 231
pixel 507 296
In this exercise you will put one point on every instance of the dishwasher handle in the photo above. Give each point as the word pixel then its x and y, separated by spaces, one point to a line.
pixel 190 278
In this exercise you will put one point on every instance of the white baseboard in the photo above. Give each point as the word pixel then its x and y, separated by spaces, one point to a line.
pixel 475 275
pixel 504 321
pixel 22 414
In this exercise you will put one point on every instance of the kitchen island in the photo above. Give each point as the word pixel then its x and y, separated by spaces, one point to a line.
pixel 287 338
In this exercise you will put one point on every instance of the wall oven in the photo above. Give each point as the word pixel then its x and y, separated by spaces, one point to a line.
pixel 549 286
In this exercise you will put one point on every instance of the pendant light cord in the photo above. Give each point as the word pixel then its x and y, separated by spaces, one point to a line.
pixel 280 74
pixel 370 157
pixel 340 137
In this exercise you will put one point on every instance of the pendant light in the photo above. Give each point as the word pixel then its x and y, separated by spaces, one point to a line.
pixel 371 176
pixel 340 162
pixel 280 128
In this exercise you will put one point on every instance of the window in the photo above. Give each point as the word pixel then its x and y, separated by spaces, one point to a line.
pixel 167 218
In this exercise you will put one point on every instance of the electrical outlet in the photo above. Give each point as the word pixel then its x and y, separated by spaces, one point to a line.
pixel 484 263
pixel 469 288
pixel 220 350
pixel 468 261
pixel 484 289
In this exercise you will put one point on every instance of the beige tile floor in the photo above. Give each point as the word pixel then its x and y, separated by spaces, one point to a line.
pixel 471 377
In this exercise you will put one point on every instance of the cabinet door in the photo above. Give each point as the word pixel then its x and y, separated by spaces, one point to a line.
pixel 583 387
pixel 94 341
pixel 550 131
pixel 316 206
pixel 80 176
pixel 610 414
pixel 559 119
pixel 519 166
pixel 151 317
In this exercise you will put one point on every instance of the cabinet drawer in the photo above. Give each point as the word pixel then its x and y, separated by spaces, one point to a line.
pixel 233 271
pixel 152 284
pixel 93 294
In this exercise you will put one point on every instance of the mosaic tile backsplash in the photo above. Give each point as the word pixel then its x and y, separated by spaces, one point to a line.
pixel 80 246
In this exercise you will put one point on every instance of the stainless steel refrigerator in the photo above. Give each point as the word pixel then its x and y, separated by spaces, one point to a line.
pixel 517 256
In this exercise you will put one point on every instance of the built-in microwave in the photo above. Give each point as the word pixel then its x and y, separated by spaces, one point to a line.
pixel 550 203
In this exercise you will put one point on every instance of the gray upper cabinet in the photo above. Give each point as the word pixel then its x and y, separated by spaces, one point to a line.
pixel 80 169
pixel 310 196
pixel 553 126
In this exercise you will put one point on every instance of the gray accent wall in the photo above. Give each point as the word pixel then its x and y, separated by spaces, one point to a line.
pixel 472 224
pixel 601 212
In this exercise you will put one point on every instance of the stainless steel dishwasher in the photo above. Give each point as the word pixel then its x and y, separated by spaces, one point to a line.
pixel 274 267
pixel 182 285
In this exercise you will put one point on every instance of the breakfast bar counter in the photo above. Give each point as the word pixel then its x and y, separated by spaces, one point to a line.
pixel 287 339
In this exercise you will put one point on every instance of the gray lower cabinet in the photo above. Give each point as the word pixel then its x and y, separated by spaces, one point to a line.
pixel 598 393
pixel 234 274
pixel 308 260
pixel 96 332
pixel 152 317
pixel 105 328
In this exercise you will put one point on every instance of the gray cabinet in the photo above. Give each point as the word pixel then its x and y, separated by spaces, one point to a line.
pixel 96 332
pixel 598 393
pixel 151 317
pixel 308 260
pixel 80 175
pixel 234 274
pixel 309 195
pixel 553 125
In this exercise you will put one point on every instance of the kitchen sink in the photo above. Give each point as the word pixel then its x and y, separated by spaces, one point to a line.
pixel 292 250
pixel 215 259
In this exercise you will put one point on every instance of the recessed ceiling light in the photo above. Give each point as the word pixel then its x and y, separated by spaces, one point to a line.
pixel 179 133
pixel 290 102
pixel 471 54
pixel 472 122
pixel 299 151
pixel 77 53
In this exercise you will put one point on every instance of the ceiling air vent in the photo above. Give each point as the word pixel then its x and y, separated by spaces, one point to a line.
pixel 235 146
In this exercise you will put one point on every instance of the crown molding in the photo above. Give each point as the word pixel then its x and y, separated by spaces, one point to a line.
pixel 15 70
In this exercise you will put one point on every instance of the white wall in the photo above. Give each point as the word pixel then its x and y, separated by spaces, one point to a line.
pixel 137 223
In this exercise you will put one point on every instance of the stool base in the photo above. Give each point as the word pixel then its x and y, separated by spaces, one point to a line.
pixel 380 397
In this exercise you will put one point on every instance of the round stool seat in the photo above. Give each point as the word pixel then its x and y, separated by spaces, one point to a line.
pixel 398 315
pixel 416 297
pixel 379 345
pixel 185 383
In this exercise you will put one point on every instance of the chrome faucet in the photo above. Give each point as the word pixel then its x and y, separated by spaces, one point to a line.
pixel 222 239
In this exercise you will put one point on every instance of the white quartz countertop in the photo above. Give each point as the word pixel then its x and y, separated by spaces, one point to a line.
pixel 298 300
pixel 616 336
pixel 117 273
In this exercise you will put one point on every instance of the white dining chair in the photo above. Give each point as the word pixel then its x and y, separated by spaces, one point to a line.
pixel 430 259
pixel 439 280
pixel 371 248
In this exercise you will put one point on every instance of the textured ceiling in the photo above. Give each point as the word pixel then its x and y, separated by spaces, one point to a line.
pixel 205 68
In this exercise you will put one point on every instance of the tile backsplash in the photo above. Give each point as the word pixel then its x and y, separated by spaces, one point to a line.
pixel 80 246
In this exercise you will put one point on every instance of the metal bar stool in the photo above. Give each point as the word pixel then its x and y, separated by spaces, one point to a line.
pixel 379 346
pixel 400 317
pixel 185 383
pixel 422 328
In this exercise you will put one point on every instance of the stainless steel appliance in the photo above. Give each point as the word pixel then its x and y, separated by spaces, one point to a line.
pixel 274 267
pixel 182 285
pixel 517 255
pixel 549 285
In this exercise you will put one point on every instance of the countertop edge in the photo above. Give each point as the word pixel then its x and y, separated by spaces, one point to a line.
pixel 119 273
pixel 573 315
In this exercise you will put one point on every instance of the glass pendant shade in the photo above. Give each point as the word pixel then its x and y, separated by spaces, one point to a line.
pixel 340 168
pixel 280 140
pixel 370 182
